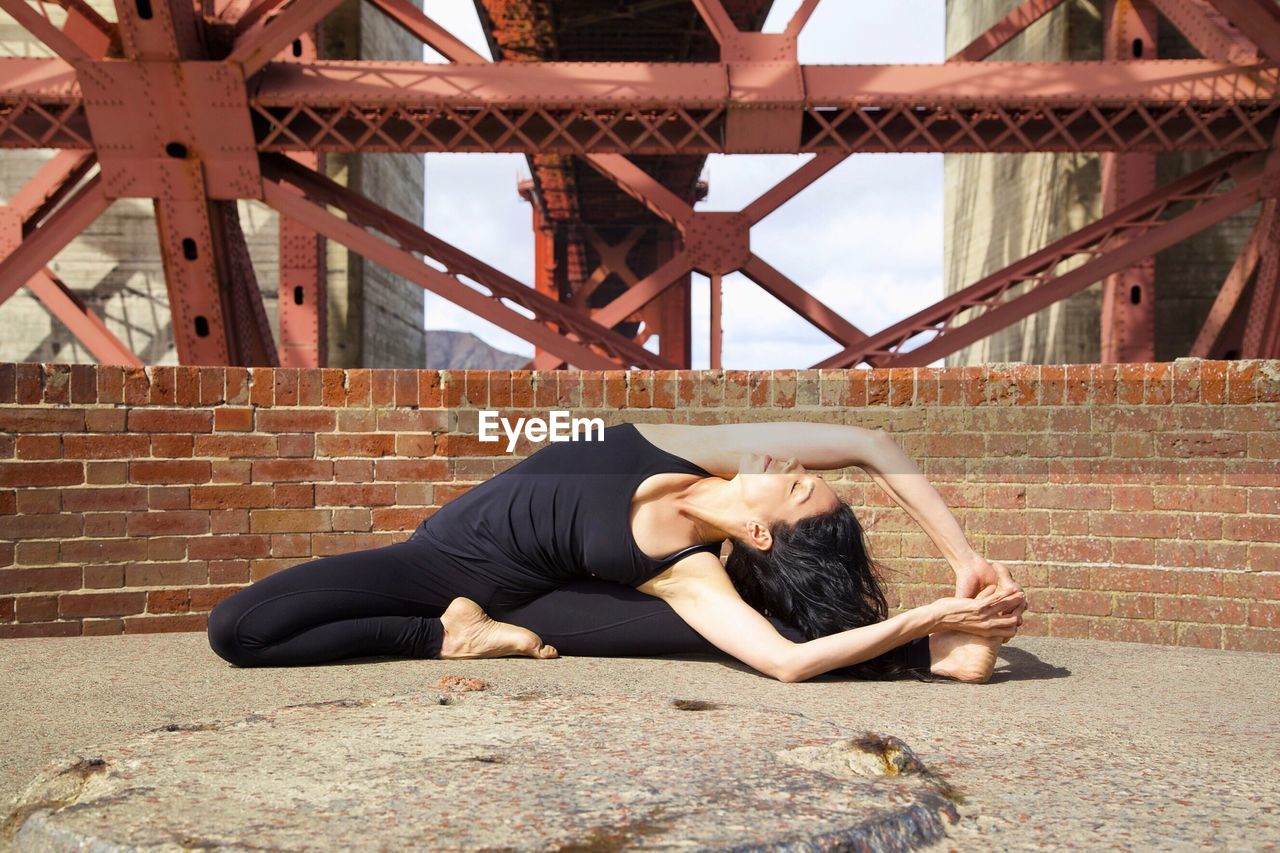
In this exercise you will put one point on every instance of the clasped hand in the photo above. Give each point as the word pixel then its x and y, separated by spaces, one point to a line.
pixel 988 602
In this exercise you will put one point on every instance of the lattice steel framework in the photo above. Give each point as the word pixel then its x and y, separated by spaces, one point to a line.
pixel 197 103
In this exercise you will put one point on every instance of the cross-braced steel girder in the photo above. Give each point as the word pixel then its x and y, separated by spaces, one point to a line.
pixel 197 108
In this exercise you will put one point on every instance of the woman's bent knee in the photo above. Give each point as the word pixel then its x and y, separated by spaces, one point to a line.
pixel 223 637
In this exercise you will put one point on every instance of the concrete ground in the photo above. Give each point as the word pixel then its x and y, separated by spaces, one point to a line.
pixel 1073 743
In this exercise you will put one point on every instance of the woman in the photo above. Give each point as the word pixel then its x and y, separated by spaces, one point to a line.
pixel 554 555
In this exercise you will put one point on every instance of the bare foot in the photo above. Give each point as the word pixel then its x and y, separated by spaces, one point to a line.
pixel 964 657
pixel 469 632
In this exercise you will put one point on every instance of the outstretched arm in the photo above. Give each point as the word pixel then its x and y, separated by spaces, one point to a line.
pixel 704 597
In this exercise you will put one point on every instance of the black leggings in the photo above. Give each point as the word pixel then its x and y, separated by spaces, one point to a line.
pixel 387 602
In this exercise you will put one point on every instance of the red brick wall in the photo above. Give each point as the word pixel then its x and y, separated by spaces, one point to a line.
pixel 1134 502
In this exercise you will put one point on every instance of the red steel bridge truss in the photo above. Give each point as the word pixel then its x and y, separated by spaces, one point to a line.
pixel 197 103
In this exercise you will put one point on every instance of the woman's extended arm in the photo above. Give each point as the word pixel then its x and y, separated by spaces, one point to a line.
pixel 702 594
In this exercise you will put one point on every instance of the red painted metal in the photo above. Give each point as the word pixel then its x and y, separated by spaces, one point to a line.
pixel 1113 243
pixel 1128 296
pixel 1262 327
pixel 1004 30
pixel 1259 20
pixel 579 108
pixel 302 303
pixel 192 106
pixel 586 344
pixel 1210 33
pixel 1213 339
pixel 26 208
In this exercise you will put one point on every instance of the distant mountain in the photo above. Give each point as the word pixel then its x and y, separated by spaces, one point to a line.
pixel 464 351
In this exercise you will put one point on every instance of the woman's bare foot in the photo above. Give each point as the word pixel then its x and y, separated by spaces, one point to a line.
pixel 964 657
pixel 469 632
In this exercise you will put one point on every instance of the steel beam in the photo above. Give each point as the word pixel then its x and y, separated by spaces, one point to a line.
pixel 273 33
pixel 1004 30
pixel 1208 31
pixel 84 325
pixel 1110 244
pixel 1259 20
pixel 41 244
pixel 1262 327
pixel 1211 340
pixel 583 107
pixel 588 344
pixel 1128 328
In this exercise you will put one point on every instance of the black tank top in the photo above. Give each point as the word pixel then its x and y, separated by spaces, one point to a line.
pixel 560 514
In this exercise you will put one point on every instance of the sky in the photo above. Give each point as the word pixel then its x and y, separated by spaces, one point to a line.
pixel 865 239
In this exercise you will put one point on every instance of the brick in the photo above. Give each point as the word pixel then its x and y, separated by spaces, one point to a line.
pixel 296 420
pixel 430 391
pixel 57 383
pixel 310 387
pixel 228 419
pixel 356 444
pixel 165 624
pixel 106 446
pixel 29 381
pixel 38 447
pixel 1256 528
pixel 181 471
pixel 163 385
pixel 293 496
pixel 38 501
pixel 286 386
pixel 1212 611
pixel 231 497
pixel 235 445
pixel 359 388
pixel 168 601
pixel 415 470
pixel 455 444
pixel 212 382
pixel 88 500
pixel 171 523
pixel 39 580
pixel 297 445
pixel 382 388
pixel 187 385
pixel 363 495
pixel 171 446
pixel 415 445
pixel 184 573
pixel 333 387
pixel 105 524
pixel 37 608
pixel 40 629
pixel 289 521
pixel 290 545
pixel 102 550
pixel 406 388
pixel 352 520
pixel 170 420
pixel 41 473
pixel 416 420
pixel 102 604
pixel 291 470
pixel 41 420
pixel 229 547
pixel 363 420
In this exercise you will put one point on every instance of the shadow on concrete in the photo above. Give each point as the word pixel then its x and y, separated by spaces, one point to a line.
pixel 1017 664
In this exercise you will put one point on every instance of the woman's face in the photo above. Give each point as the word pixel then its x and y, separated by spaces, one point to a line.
pixel 782 490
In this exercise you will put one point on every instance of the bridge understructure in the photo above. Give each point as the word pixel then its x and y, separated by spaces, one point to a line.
pixel 198 103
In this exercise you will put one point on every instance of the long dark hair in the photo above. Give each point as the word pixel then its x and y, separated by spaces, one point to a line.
pixel 819 577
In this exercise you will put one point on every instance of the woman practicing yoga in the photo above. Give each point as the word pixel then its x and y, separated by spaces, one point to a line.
pixel 553 556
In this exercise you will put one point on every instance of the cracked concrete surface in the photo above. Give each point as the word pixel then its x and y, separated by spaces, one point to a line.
pixel 1073 743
